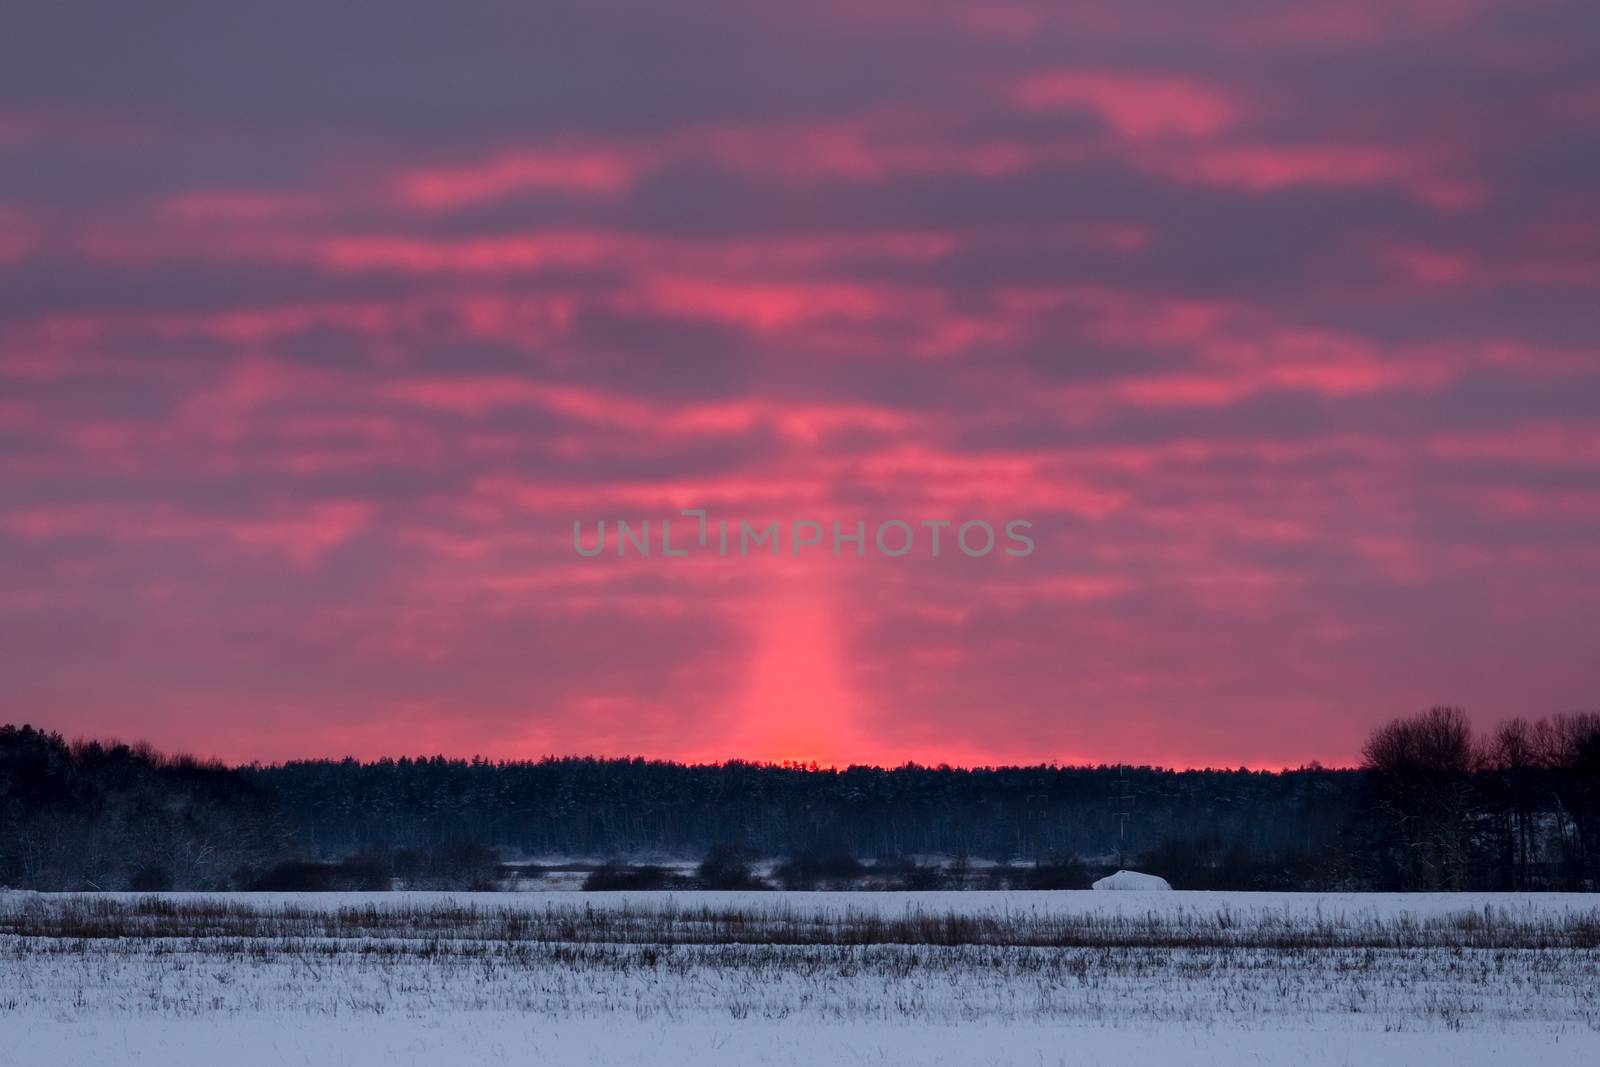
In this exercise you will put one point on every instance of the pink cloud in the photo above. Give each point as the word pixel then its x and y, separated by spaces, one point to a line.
pixel 586 171
pixel 298 537
pixel 1267 168
pixel 1137 106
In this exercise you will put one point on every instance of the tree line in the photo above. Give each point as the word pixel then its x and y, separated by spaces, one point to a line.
pixel 1433 806
pixel 96 816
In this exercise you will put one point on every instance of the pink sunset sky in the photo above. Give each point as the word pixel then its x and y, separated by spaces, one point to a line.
pixel 321 323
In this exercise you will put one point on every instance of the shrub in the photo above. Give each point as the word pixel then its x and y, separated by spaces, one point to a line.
pixel 808 871
pixel 912 876
pixel 293 876
pixel 612 877
pixel 728 867
pixel 1056 874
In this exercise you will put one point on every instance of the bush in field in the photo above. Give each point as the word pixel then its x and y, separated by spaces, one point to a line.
pixel 1000 876
pixel 728 867
pixel 293 876
pixel 457 865
pixel 358 874
pixel 908 874
pixel 614 877
pixel 368 874
pixel 470 866
pixel 808 871
pixel 1056 874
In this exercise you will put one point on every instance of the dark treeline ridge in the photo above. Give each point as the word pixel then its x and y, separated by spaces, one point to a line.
pixel 1433 807
pixel 600 807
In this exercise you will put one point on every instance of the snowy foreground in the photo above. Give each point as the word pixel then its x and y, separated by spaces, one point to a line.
pixel 799 978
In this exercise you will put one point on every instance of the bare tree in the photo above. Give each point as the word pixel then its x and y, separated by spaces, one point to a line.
pixel 1421 772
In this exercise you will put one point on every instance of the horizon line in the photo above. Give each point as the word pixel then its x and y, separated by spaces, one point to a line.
pixel 817 766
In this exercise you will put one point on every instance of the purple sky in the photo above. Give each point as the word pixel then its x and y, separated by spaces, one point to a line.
pixel 320 324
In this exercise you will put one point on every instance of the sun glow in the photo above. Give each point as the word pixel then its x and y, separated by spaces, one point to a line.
pixel 799 704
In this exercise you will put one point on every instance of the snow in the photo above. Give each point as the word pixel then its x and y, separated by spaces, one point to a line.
pixel 1132 880
pixel 516 1038
pixel 348 993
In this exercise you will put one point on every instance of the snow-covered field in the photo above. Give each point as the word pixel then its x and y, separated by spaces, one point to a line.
pixel 780 978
